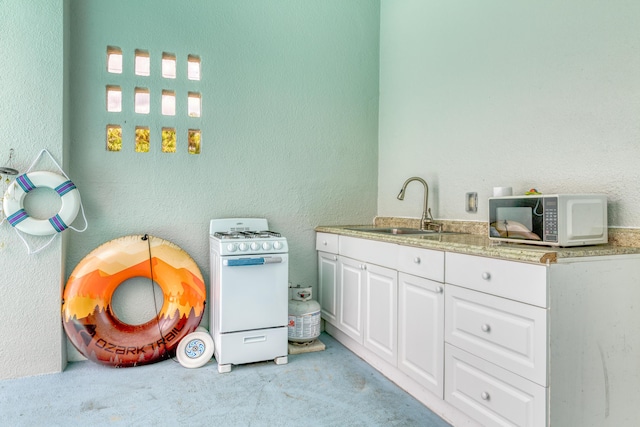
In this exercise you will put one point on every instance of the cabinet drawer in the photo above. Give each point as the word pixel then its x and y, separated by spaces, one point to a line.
pixel 421 262
pixel 508 333
pixel 371 251
pixel 327 242
pixel 490 394
pixel 514 280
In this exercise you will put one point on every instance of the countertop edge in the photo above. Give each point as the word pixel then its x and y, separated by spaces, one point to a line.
pixel 480 245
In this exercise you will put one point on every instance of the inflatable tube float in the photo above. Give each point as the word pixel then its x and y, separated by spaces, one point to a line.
pixel 13 203
pixel 89 320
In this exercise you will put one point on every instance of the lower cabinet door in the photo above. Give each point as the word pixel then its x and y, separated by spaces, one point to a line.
pixel 491 395
pixel 328 286
pixel 381 312
pixel 421 330
pixel 350 297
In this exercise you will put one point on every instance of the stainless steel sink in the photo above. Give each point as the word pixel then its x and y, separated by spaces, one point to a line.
pixel 402 231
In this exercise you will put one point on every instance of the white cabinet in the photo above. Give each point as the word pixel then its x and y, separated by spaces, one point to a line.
pixel 420 331
pixel 420 262
pixel 421 316
pixel 381 312
pixel 496 335
pixel 491 395
pixel 327 247
pixel 326 242
pixel 542 345
pixel 359 296
pixel 392 314
pixel 508 333
pixel 350 286
pixel 491 341
pixel 369 251
pixel 368 291
pixel 518 281
pixel 328 286
pixel 368 305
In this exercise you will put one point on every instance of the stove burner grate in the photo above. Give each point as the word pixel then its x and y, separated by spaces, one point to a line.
pixel 265 234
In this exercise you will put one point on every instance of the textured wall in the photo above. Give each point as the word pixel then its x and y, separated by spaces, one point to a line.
pixel 289 122
pixel 496 93
pixel 31 118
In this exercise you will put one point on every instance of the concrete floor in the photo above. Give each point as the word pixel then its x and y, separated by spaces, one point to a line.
pixel 328 388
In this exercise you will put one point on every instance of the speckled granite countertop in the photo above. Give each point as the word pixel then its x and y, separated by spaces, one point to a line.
pixel 476 243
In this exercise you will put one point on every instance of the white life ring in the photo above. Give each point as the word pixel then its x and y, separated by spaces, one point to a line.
pixel 13 203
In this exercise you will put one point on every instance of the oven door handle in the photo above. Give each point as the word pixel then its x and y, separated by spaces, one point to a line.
pixel 241 262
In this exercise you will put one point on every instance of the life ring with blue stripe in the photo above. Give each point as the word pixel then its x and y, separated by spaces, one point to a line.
pixel 13 203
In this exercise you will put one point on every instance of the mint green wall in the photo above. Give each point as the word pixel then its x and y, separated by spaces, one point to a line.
pixel 32 117
pixel 506 93
pixel 289 121
pixel 289 125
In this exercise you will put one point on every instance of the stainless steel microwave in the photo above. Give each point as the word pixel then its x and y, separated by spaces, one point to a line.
pixel 549 219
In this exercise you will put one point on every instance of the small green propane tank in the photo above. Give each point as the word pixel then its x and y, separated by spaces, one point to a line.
pixel 304 316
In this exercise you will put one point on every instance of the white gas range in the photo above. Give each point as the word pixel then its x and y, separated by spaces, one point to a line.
pixel 249 288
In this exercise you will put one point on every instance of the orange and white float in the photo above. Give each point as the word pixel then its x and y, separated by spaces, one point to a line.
pixel 89 320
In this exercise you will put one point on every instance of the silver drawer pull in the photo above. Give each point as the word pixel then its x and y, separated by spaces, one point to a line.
pixel 416 260
pixel 363 266
pixel 324 243
pixel 485 328
pixel 439 289
pixel 335 258
pixel 486 275
pixel 485 396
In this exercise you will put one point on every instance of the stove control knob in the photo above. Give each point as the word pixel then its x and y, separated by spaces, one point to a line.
pixel 266 246
pixel 243 247
pixel 255 246
pixel 277 245
pixel 231 247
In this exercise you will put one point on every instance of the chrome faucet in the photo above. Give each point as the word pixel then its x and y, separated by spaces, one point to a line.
pixel 426 220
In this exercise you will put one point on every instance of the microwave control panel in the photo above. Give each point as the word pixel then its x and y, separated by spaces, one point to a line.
pixel 550 209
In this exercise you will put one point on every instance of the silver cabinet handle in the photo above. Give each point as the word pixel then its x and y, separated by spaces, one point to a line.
pixel 363 266
pixel 417 260
pixel 324 243
pixel 439 289
pixel 485 328
pixel 485 396
pixel 335 258
pixel 486 275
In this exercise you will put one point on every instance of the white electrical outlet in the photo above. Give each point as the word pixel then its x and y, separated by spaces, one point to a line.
pixel 471 202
